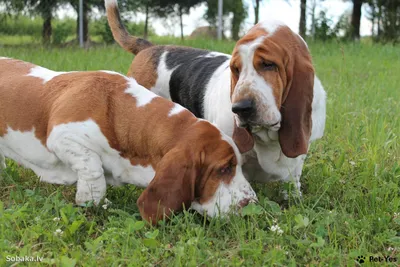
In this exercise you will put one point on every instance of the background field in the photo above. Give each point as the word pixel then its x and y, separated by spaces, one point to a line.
pixel 351 184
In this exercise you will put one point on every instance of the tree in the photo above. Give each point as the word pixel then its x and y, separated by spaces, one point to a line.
pixel 183 7
pixel 325 28
pixel 256 4
pixel 303 18
pixel 157 8
pixel 239 15
pixel 235 7
pixel 44 8
pixel 356 19
pixel 88 5
pixel 385 17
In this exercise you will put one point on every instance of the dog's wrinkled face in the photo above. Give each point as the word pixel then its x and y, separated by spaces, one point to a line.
pixel 205 173
pixel 257 85
pixel 222 187
pixel 272 84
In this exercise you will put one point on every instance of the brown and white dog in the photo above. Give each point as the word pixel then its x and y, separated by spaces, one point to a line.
pixel 98 128
pixel 267 86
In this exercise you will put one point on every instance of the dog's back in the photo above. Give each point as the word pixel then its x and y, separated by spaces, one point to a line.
pixel 39 107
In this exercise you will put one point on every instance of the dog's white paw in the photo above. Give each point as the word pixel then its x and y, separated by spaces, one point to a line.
pixel 89 191
pixel 296 193
pixel 284 194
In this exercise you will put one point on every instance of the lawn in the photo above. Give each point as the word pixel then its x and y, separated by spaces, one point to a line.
pixel 351 183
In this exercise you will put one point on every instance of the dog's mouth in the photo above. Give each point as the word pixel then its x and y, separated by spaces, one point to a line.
pixel 255 128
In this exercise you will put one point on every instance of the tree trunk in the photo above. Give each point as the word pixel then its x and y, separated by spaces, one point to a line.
pixel 85 12
pixel 256 11
pixel 303 18
pixel 392 8
pixel 355 19
pixel 146 22
pixel 235 28
pixel 85 22
pixel 181 21
pixel 314 6
pixel 373 21
pixel 379 23
pixel 239 15
pixel 47 29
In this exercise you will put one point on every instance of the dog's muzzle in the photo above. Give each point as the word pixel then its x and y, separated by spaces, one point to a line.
pixel 244 109
pixel 247 117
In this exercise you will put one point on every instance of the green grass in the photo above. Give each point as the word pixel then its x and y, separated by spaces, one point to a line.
pixel 351 185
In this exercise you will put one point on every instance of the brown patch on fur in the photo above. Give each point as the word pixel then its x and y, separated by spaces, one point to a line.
pixel 19 108
pixel 144 68
pixel 292 82
pixel 186 153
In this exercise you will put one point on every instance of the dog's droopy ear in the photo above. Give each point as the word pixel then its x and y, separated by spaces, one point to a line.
pixel 172 188
pixel 295 132
pixel 242 138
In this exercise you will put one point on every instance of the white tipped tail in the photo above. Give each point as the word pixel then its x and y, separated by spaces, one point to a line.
pixel 128 42
pixel 108 3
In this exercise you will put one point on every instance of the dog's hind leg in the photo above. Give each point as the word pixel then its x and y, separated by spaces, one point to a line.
pixel 91 184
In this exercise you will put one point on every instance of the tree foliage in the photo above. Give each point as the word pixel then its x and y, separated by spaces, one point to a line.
pixel 182 7
pixel 236 8
pixel 44 8
pixel 151 8
pixel 385 18
pixel 88 6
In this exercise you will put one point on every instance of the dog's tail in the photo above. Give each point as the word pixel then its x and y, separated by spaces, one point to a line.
pixel 121 35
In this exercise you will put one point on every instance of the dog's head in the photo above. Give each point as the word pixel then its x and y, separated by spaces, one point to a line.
pixel 203 172
pixel 272 85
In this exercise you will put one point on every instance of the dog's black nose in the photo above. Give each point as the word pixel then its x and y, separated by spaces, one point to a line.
pixel 244 108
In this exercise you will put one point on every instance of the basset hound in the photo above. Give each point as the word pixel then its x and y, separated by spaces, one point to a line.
pixel 266 86
pixel 98 127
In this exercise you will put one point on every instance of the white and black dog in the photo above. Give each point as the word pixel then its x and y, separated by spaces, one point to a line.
pixel 267 86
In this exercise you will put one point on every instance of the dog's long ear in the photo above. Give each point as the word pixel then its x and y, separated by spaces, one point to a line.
pixel 242 138
pixel 295 131
pixel 172 187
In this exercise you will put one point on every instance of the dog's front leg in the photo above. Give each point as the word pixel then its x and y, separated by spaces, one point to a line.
pixel 295 178
pixel 87 164
pixel 2 161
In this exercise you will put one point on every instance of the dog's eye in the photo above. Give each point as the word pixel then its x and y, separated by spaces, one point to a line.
pixel 235 70
pixel 225 170
pixel 268 65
